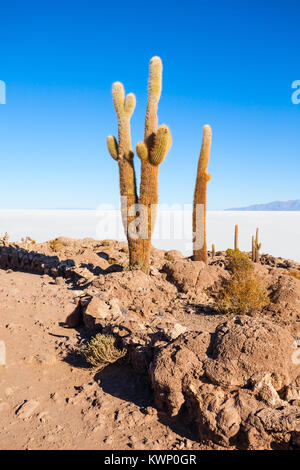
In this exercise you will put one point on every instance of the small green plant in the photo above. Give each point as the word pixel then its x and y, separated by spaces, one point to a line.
pixel 55 245
pixel 102 350
pixel 244 293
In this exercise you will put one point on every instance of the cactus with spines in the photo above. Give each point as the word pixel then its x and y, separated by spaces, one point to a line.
pixel 236 237
pixel 199 206
pixel 152 151
pixel 157 143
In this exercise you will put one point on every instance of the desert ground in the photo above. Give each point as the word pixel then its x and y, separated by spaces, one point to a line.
pixel 192 378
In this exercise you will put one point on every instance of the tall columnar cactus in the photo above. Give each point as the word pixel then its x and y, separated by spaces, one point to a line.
pixel 157 142
pixel 236 237
pixel 199 207
pixel 121 151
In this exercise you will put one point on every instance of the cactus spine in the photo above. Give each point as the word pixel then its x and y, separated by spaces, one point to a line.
pixel 199 206
pixel 236 237
pixel 157 142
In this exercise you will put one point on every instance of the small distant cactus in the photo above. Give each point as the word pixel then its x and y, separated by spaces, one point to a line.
pixel 236 237
pixel 213 250
pixel 199 206
pixel 256 246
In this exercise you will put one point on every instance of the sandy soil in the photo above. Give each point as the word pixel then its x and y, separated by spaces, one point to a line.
pixel 47 400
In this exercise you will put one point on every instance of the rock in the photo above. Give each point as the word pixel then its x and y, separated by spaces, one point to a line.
pixel 187 274
pixel 173 255
pixel 59 281
pixel 66 241
pixel 281 420
pixel 172 363
pixel 266 392
pixel 75 317
pixel 95 312
pixel 246 347
pixel 292 392
pixel 173 331
pixel 231 383
pixel 285 297
pixel 27 409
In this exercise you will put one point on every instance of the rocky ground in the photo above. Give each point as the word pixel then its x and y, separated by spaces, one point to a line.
pixel 192 379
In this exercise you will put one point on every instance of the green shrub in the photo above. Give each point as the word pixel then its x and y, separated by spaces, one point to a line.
pixel 103 350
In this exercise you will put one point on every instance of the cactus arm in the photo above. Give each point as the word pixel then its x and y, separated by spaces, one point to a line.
pixel 161 146
pixel 154 93
pixel 112 146
pixel 142 151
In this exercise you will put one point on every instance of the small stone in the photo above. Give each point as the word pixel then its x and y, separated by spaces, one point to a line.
pixel 26 409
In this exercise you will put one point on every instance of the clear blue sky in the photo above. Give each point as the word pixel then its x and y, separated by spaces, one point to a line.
pixel 227 63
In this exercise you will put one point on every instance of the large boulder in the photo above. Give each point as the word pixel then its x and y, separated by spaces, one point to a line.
pixel 172 363
pixel 136 291
pixel 285 297
pixel 187 275
pixel 246 349
pixel 233 384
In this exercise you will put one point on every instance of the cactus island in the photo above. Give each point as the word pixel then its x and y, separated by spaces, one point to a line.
pixel 116 345
pixel 119 345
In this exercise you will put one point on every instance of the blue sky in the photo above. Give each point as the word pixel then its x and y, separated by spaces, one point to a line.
pixel 227 63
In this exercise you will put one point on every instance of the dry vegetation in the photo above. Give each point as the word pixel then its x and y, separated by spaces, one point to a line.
pixel 103 350
pixel 244 293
